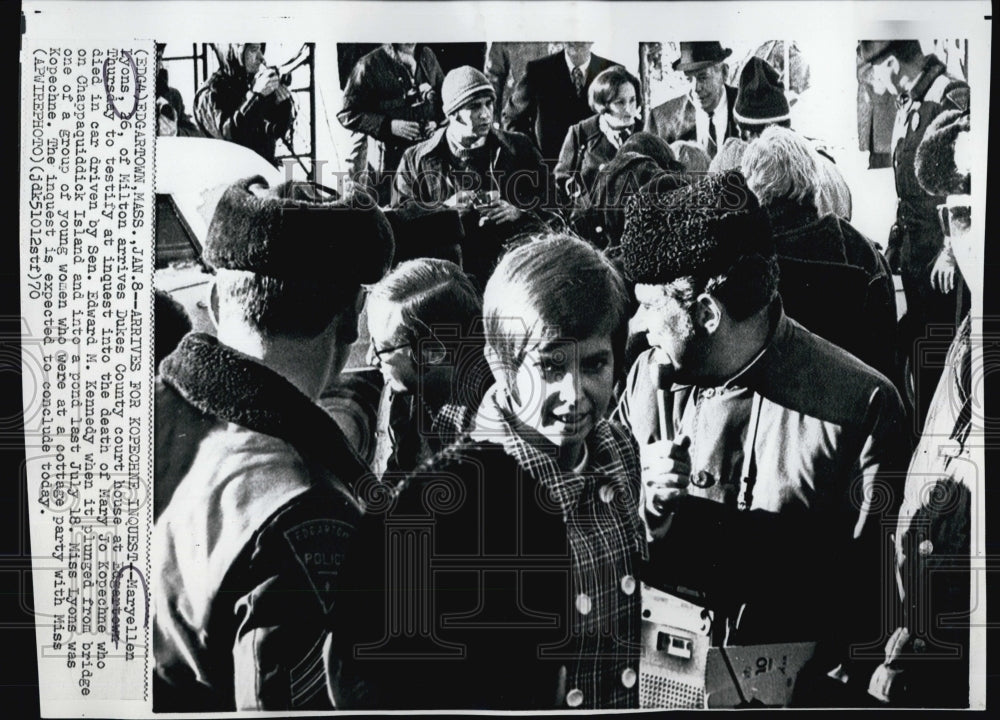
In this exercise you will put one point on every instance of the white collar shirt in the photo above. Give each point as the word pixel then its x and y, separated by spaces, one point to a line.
pixel 570 66
pixel 720 117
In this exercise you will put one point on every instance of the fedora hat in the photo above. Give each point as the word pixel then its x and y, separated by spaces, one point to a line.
pixel 698 55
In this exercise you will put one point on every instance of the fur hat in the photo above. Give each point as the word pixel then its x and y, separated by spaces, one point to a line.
pixel 934 164
pixel 461 85
pixel 700 230
pixel 698 55
pixel 760 99
pixel 278 233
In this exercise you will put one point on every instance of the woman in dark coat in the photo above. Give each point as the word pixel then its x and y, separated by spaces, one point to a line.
pixel 599 216
pixel 614 96
pixel 244 101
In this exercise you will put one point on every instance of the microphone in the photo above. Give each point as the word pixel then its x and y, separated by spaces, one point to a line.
pixel 662 376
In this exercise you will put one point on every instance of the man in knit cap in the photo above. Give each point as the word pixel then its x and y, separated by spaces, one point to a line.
pixel 495 178
pixel 765 487
pixel 256 486
pixel 761 103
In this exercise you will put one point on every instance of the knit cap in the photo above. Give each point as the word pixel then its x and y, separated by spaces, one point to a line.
pixel 699 230
pixel 760 99
pixel 461 85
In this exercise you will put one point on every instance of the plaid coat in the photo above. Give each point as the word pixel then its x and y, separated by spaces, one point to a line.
pixel 488 573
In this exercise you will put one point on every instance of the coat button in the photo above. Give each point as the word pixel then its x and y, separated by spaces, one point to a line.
pixel 583 603
pixel 598 229
pixel 703 479
pixel 628 677
pixel 925 548
pixel 606 493
pixel 574 698
pixel 628 584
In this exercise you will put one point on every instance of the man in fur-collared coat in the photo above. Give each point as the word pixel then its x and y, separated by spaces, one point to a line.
pixel 256 486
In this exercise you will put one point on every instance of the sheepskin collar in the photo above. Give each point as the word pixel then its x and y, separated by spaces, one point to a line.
pixel 226 384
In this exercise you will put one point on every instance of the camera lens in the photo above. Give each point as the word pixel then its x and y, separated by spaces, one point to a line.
pixel 166 110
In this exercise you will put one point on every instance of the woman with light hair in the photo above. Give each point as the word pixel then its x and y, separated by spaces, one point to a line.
pixel 785 164
pixel 822 253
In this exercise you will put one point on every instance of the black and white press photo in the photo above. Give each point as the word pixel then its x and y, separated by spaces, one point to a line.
pixel 507 357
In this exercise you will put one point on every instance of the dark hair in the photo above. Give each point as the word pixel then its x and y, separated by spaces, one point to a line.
pixel 553 285
pixel 429 292
pixel 746 288
pixel 279 307
pixel 604 89
pixel 753 130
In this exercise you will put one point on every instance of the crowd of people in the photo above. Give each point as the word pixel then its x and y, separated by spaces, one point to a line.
pixel 658 356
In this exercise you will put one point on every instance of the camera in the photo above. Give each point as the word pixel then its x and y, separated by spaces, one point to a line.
pixel 422 95
pixel 485 198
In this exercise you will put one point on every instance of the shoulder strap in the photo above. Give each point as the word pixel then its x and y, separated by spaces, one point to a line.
pixel 749 476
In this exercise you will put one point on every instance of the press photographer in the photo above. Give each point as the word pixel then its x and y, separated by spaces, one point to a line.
pixel 245 100
pixel 391 101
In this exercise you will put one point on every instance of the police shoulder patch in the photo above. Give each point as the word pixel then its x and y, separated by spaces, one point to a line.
pixel 319 545
pixel 958 96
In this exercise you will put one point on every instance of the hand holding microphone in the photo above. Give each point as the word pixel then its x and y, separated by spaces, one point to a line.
pixel 666 463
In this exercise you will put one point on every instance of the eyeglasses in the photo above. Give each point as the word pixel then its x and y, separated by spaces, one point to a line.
pixel 379 352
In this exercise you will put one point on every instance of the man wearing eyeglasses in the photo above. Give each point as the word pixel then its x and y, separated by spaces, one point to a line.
pixel 421 320
pixel 705 113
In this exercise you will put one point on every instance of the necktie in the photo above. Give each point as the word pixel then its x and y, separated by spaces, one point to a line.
pixel 404 434
pixel 623 135
pixel 712 139
pixel 577 76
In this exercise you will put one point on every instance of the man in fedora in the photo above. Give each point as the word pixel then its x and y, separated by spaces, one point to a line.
pixel 705 114
pixel 923 90
pixel 257 488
